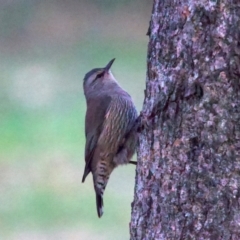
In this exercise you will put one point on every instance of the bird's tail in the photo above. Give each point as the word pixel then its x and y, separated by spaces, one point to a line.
pixel 100 179
pixel 100 183
pixel 99 202
pixel 99 186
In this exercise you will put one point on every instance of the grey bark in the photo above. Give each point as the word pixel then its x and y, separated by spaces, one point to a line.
pixel 188 172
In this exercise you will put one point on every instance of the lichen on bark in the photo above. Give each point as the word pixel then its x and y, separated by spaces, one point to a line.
pixel 188 172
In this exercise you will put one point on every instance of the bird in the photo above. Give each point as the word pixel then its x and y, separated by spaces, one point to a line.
pixel 110 128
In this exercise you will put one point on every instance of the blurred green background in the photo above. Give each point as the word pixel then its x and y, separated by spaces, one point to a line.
pixel 46 47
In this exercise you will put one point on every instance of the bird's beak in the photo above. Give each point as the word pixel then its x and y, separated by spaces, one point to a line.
pixel 109 65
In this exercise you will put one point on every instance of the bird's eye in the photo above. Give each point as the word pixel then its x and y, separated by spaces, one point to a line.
pixel 100 75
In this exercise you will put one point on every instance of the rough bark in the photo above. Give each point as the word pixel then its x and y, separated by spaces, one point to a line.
pixel 188 172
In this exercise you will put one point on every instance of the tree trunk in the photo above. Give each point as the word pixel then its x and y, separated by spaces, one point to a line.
pixel 188 172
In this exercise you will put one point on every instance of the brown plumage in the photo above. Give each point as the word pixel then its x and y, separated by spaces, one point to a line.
pixel 109 128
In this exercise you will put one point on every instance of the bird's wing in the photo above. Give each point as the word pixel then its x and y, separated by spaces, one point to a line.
pixel 96 111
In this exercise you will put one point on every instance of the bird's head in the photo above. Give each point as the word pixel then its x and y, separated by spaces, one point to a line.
pixel 98 77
